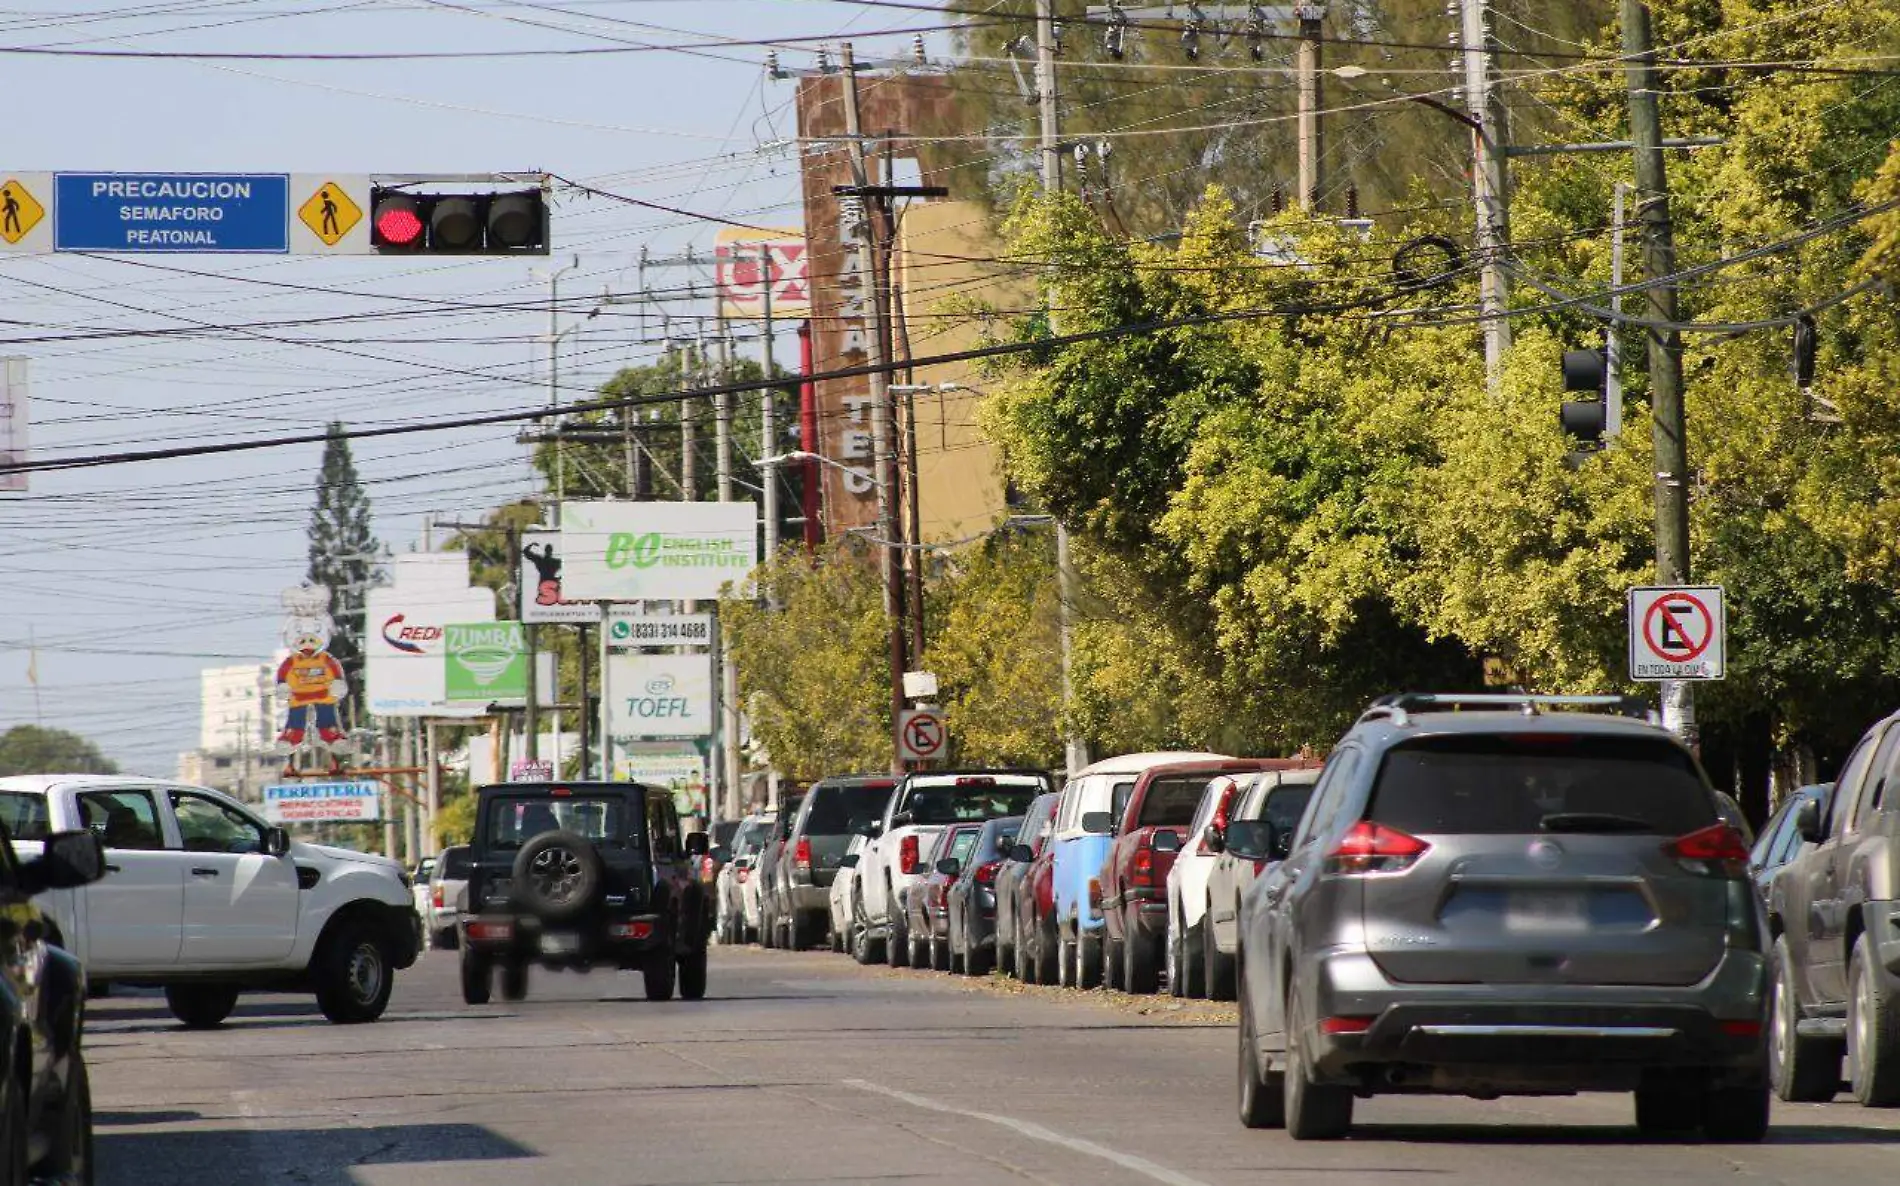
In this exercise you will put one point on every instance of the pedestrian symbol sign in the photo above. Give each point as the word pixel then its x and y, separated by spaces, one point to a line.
pixel 921 736
pixel 20 212
pixel 329 213
pixel 1677 632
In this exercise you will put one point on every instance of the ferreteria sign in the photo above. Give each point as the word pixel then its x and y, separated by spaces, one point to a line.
pixel 655 551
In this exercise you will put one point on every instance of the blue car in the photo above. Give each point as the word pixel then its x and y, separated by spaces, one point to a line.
pixel 1091 800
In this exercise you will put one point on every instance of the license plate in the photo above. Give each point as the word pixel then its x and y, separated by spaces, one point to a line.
pixel 555 943
pixel 1555 911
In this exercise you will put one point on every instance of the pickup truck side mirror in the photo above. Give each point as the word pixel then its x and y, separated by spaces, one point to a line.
pixel 1096 823
pixel 848 861
pixel 1166 841
pixel 902 819
pixel 1022 852
pixel 949 866
pixel 1807 821
pixel 68 861
pixel 1215 838
pixel 1249 839
pixel 276 842
pixel 696 844
pixel 1279 842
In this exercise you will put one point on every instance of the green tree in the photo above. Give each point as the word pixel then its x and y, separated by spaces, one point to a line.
pixel 31 749
pixel 343 553
pixel 995 647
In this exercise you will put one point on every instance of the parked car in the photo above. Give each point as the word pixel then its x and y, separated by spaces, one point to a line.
pixel 1014 874
pixel 1780 841
pixel 830 814
pixel 583 875
pixel 206 900
pixel 1279 798
pixel 923 804
pixel 1038 941
pixel 419 881
pixel 843 900
pixel 1187 884
pixel 737 895
pixel 970 908
pixel 1835 912
pixel 1518 897
pixel 766 870
pixel 447 895
pixel 1093 795
pixel 928 903
pixel 1144 836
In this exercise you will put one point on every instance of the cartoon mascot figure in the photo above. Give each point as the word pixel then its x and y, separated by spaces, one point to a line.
pixel 313 682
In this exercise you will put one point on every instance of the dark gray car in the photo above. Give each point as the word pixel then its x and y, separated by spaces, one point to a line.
pixel 816 834
pixel 1508 899
pixel 972 898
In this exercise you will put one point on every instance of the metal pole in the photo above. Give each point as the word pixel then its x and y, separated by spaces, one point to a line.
pixel 1307 64
pixel 689 428
pixel 1046 95
pixel 1669 432
pixel 1613 340
pixel 728 751
pixel 434 785
pixel 584 719
pixel 606 709
pixel 768 408
pixel 1489 189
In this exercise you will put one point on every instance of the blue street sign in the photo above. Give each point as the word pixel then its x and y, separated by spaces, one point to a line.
pixel 171 212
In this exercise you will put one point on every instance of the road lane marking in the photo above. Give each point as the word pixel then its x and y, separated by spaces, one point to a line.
pixel 1035 1132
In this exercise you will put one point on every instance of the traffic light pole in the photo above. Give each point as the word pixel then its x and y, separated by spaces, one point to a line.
pixel 1669 431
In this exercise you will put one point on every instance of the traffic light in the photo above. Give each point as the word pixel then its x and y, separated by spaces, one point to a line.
pixel 1586 419
pixel 513 223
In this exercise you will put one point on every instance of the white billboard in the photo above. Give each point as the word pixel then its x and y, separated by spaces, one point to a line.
pixel 656 551
pixel 658 696
pixel 539 578
pixel 405 668
pixel 13 422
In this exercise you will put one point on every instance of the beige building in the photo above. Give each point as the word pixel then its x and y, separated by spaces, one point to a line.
pixel 238 714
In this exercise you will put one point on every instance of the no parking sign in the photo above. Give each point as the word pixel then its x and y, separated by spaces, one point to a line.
pixel 1677 632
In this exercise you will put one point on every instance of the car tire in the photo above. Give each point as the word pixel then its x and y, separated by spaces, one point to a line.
pixel 514 980
pixel 1262 1097
pixel 14 1137
pixel 476 981
pixel 1088 961
pixel 939 954
pixel 692 975
pixel 1175 965
pixel 69 1159
pixel 658 972
pixel 864 948
pixel 557 876
pixel 1139 973
pixel 1194 959
pixel 1873 1030
pixel 1736 1115
pixel 353 974
pixel 1801 1070
pixel 1313 1111
pixel 201 1006
pixel 796 936
pixel 1670 1109
pixel 1045 953
pixel 1112 964
pixel 1217 970
pixel 1025 962
pixel 1065 961
pixel 897 943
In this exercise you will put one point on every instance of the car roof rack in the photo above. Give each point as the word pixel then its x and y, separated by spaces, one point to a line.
pixel 1400 707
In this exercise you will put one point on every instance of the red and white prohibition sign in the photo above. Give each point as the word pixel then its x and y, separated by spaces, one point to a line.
pixel 921 736
pixel 1677 633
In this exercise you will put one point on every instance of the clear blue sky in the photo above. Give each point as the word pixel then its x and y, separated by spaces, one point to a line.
pixel 133 578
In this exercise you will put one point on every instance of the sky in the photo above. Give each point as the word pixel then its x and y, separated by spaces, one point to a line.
pixel 126 580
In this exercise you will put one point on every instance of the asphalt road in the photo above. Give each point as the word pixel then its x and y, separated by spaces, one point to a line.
pixel 806 1068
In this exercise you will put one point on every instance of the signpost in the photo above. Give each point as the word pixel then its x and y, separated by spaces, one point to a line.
pixel 921 735
pixel 1677 633
pixel 345 802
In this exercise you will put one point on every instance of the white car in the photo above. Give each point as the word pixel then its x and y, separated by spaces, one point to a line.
pixel 1187 885
pixel 204 899
pixel 446 896
pixel 419 880
pixel 844 896
pixel 737 888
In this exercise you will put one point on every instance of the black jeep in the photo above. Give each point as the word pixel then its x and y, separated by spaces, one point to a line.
pixel 579 875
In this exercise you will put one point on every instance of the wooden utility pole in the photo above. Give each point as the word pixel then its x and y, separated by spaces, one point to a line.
pixel 1490 187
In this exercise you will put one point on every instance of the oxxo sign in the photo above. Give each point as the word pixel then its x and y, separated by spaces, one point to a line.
pixel 655 551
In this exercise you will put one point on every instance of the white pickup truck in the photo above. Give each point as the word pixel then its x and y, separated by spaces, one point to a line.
pixel 205 899
pixel 895 858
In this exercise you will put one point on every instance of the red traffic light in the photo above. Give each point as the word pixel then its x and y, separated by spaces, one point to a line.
pixel 396 222
pixel 508 223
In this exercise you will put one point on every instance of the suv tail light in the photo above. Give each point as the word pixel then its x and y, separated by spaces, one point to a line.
pixel 1717 851
pixel 1142 871
pixel 907 856
pixel 1371 847
pixel 986 874
pixel 801 856
pixel 435 896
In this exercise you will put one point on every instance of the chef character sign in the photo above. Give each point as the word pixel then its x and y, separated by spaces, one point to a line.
pixel 312 680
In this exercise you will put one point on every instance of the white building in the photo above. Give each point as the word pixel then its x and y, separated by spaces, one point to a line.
pixel 237 707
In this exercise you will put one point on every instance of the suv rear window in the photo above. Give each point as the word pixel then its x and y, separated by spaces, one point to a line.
pixel 947 803
pixel 1171 802
pixel 1532 783
pixel 603 819
pixel 839 811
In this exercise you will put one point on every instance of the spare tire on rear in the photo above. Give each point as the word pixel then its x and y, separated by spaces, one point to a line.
pixel 557 876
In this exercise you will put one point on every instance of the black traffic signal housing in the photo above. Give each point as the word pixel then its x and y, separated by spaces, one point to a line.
pixel 510 223
pixel 1586 419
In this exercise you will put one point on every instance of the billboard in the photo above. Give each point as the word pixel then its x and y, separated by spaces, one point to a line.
pixel 406 624
pixel 676 765
pixel 322 802
pixel 538 577
pixel 658 696
pixel 12 422
pixel 746 262
pixel 484 662
pixel 656 551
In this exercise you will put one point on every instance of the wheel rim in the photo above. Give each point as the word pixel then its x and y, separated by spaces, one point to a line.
pixel 1857 1030
pixel 366 972
pixel 556 875
pixel 1779 1041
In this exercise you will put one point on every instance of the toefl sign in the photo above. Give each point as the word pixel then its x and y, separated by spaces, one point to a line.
pixel 656 551
pixel 658 696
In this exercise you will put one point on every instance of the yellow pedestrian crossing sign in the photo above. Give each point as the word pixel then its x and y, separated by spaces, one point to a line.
pixel 20 212
pixel 329 213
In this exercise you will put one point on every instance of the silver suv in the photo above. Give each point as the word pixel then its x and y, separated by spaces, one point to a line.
pixel 1491 895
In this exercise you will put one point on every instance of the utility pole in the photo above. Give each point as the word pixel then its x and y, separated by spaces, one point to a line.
pixel 1306 66
pixel 1075 748
pixel 728 673
pixel 883 436
pixel 1669 432
pixel 1613 337
pixel 1490 187
pixel 768 407
pixel 689 425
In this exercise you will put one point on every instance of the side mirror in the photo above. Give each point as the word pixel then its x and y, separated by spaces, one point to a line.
pixel 1249 839
pixel 1096 823
pixel 902 819
pixel 1279 843
pixel 1166 842
pixel 1807 821
pixel 696 844
pixel 1022 852
pixel 848 861
pixel 949 866
pixel 68 861
pixel 277 842
pixel 1215 839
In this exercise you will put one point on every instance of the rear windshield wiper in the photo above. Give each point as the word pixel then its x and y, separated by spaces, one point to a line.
pixel 1593 821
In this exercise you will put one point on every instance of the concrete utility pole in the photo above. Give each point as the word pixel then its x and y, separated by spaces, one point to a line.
pixel 1670 428
pixel 1490 187
pixel 689 423
pixel 768 406
pixel 1306 66
pixel 728 672
pixel 1613 337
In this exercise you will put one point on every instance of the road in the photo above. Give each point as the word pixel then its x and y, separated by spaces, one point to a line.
pixel 807 1068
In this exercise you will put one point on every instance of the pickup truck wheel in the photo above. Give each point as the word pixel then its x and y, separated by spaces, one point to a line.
pixel 897 944
pixel 1193 962
pixel 1139 974
pixel 1217 970
pixel 1802 1070
pixel 939 954
pixel 693 975
pixel 1873 1030
pixel 658 972
pixel 201 1006
pixel 801 936
pixel 353 975
pixel 69 1160
pixel 1088 961
pixel 1262 1098
pixel 557 876
pixel 863 947
pixel 475 978
pixel 514 980
pixel 1112 963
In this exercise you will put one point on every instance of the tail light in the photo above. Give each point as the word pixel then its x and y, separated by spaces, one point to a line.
pixel 743 875
pixel 435 896
pixel 986 874
pixel 1143 872
pixel 1716 851
pixel 1095 893
pixel 1742 1029
pixel 1219 820
pixel 1345 1025
pixel 491 930
pixel 1374 848
pixel 801 856
pixel 907 856
pixel 629 930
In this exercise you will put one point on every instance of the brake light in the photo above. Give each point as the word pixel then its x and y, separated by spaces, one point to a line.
pixel 1717 850
pixel 1742 1029
pixel 561 792
pixel 1345 1025
pixel 629 930
pixel 1095 893
pixel 801 856
pixel 744 874
pixel 491 930
pixel 976 780
pixel 907 856
pixel 435 896
pixel 986 874
pixel 1371 847
pixel 1143 871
